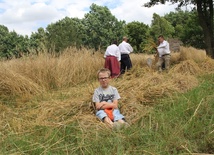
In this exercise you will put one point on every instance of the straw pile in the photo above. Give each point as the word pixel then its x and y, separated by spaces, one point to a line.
pixel 207 66
pixel 191 53
pixel 14 83
pixel 56 91
pixel 187 67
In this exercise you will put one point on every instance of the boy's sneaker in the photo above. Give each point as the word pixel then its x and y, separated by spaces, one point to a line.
pixel 126 125
pixel 118 125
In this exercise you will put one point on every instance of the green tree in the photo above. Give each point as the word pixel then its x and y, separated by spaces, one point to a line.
pixel 38 40
pixel 101 27
pixel 4 32
pixel 64 33
pixel 22 45
pixel 187 28
pixel 138 34
pixel 12 44
pixel 178 20
pixel 160 26
pixel 205 15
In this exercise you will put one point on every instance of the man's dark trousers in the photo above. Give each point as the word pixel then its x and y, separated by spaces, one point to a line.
pixel 125 63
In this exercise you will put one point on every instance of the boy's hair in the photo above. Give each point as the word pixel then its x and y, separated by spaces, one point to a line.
pixel 104 70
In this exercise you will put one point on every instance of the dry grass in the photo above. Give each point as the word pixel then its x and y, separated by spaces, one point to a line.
pixel 191 53
pixel 57 90
pixel 36 74
pixel 187 67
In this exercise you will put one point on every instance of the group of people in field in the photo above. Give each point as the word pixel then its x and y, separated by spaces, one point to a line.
pixel 117 58
pixel 117 62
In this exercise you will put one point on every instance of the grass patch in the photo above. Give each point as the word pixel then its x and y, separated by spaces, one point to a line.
pixel 185 123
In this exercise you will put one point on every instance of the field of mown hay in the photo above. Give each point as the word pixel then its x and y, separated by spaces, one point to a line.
pixel 48 90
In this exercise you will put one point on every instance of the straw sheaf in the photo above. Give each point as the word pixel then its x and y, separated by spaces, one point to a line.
pixel 184 82
pixel 13 83
pixel 187 67
pixel 208 65
pixel 148 87
pixel 190 53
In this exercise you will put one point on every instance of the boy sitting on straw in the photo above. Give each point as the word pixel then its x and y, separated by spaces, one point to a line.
pixel 106 101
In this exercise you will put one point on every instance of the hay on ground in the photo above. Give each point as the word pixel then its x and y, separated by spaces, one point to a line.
pixel 208 65
pixel 187 67
pixel 190 53
pixel 140 89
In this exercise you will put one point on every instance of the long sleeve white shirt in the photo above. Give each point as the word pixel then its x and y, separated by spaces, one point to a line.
pixel 125 48
pixel 163 48
pixel 113 50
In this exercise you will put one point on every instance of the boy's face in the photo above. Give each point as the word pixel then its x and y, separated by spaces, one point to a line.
pixel 104 79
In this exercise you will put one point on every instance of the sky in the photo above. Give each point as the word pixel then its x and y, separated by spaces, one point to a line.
pixel 26 16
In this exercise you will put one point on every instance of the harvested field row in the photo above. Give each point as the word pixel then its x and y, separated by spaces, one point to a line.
pixel 55 91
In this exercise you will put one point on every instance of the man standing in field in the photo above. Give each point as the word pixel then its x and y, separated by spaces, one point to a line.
pixel 163 53
pixel 125 50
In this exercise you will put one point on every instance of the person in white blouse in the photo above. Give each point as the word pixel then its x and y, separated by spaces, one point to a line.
pixel 125 50
pixel 112 58
pixel 164 54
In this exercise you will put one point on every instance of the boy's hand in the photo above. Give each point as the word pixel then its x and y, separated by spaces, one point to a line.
pixel 100 105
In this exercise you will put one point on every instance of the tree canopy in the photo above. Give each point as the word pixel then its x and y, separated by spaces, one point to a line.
pixel 102 27
pixel 138 33
pixel 187 28
pixel 12 44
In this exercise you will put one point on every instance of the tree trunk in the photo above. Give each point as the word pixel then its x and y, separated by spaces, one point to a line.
pixel 205 14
